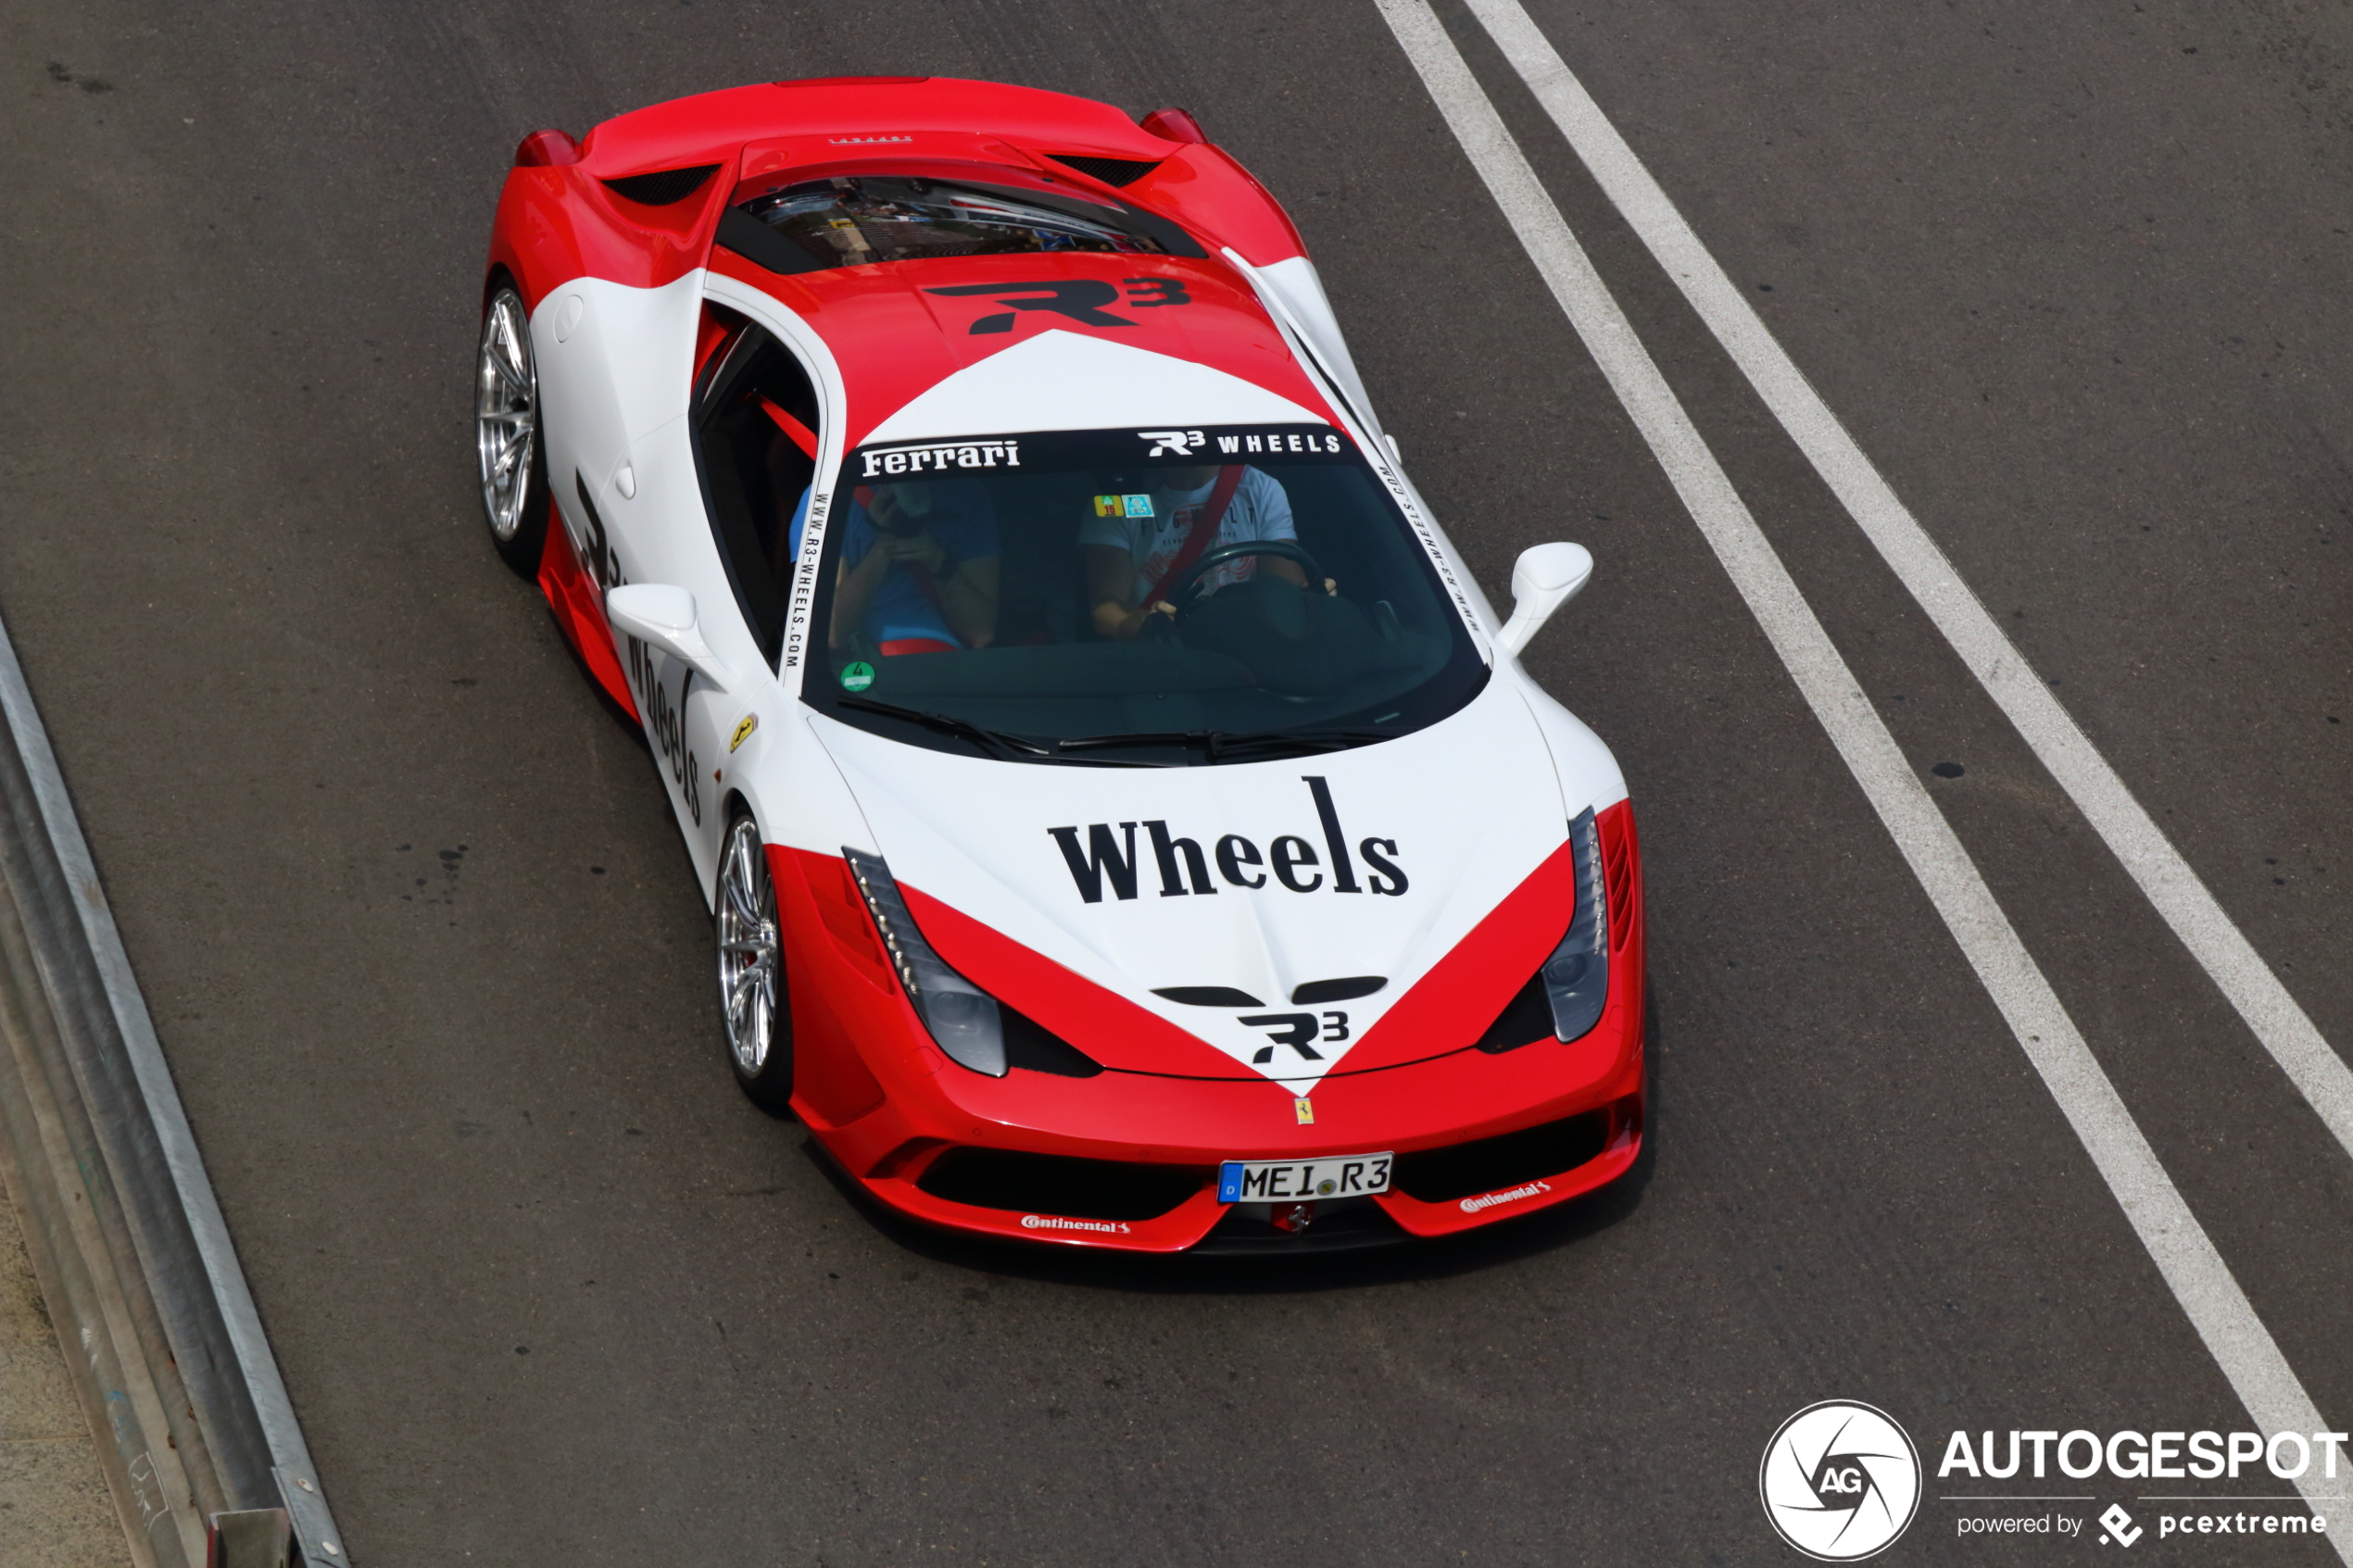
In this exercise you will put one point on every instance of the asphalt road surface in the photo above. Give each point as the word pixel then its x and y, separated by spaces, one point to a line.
pixel 428 960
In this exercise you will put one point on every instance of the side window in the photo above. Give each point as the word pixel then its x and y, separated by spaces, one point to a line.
pixel 756 437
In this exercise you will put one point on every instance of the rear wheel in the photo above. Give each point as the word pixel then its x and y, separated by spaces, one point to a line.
pixel 754 1007
pixel 506 436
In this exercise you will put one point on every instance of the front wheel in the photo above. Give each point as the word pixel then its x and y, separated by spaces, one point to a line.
pixel 753 1004
pixel 508 447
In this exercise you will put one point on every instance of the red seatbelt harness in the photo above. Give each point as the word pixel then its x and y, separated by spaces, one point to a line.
pixel 1206 522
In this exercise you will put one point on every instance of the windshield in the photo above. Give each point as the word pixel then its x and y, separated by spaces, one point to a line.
pixel 1157 598
pixel 855 220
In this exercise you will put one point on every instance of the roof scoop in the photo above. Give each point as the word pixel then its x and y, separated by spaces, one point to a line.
pixel 663 187
pixel 1109 170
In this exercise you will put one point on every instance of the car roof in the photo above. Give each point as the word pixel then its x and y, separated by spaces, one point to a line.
pixel 895 341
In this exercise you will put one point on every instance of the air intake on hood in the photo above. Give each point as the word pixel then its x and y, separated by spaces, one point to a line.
pixel 1316 991
pixel 664 188
pixel 1109 170
pixel 1208 996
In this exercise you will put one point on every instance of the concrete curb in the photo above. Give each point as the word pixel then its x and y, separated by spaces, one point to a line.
pixel 159 1330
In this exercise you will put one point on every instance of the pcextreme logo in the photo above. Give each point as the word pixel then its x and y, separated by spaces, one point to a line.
pixel 1840 1481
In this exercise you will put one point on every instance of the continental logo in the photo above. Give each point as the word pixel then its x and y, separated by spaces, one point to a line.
pixel 1513 1195
pixel 1056 1222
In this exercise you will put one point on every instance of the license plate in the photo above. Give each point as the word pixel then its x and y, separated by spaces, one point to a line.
pixel 1269 1181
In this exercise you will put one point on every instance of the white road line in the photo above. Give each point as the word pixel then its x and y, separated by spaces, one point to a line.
pixel 2195 1273
pixel 2166 879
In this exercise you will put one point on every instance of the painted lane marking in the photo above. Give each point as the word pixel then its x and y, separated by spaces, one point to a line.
pixel 2123 823
pixel 2184 1255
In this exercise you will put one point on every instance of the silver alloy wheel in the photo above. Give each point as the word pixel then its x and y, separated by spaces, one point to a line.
pixel 748 954
pixel 506 413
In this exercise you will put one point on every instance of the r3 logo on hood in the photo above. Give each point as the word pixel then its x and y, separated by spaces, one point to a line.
pixel 1111 857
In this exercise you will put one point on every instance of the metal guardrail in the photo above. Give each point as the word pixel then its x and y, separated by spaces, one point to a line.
pixel 165 1350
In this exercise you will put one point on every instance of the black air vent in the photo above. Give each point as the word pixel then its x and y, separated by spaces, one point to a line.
pixel 1056 1184
pixel 1109 170
pixel 665 188
pixel 1209 997
pixel 1443 1175
pixel 1031 1044
pixel 1342 1225
pixel 1348 990
pixel 1525 1019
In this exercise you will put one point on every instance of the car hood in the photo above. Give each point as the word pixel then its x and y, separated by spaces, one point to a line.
pixel 1432 862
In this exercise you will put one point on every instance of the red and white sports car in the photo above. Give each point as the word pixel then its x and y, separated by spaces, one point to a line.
pixel 1126 822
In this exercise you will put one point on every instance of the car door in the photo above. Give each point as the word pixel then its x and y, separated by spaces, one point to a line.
pixel 717 493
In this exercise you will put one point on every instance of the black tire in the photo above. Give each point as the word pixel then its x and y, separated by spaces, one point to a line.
pixel 510 447
pixel 755 1004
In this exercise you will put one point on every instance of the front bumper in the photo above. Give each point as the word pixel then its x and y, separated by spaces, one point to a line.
pixel 890 1110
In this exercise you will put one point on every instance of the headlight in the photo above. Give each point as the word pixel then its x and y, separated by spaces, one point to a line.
pixel 1576 978
pixel 1568 991
pixel 962 1016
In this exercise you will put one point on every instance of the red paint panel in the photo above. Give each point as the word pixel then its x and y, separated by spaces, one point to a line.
pixel 1202 188
pixel 1452 1005
pixel 1104 1025
pixel 1444 1219
pixel 931 338
pixel 580 611
pixel 839 1003
pixel 556 224
pixel 1173 1231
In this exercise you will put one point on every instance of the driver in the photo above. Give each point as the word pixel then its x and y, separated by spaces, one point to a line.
pixel 1135 545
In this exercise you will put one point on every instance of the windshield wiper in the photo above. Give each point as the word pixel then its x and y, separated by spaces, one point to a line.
pixel 995 741
pixel 1141 737
pixel 1223 744
pixel 1216 744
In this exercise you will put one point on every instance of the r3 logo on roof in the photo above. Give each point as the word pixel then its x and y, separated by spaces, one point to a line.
pixel 1184 869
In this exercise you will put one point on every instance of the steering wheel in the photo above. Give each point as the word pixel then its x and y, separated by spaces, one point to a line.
pixel 1186 581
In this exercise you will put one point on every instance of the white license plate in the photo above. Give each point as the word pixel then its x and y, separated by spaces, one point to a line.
pixel 1272 1181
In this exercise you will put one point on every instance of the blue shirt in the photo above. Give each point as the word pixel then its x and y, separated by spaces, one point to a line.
pixel 962 518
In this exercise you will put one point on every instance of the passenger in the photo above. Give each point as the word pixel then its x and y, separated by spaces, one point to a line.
pixel 1132 551
pixel 919 566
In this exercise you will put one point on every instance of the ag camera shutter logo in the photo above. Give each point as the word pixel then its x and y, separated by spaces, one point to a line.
pixel 1840 1481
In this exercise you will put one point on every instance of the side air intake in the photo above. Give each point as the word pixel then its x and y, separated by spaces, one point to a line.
pixel 1058 1184
pixel 663 188
pixel 1443 1175
pixel 1109 170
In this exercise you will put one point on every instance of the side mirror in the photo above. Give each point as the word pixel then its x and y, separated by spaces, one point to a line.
pixel 664 618
pixel 1546 577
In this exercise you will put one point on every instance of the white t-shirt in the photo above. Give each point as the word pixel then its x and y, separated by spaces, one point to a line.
pixel 1259 511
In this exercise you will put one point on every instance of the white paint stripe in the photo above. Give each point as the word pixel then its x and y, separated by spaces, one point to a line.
pixel 2165 878
pixel 2195 1273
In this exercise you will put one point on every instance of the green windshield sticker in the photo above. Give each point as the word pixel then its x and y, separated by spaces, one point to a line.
pixel 857 677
